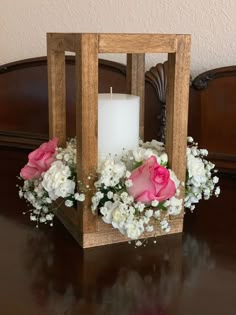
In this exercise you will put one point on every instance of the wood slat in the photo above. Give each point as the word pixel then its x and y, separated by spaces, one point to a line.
pixel 135 83
pixel 56 93
pixel 106 236
pixel 177 107
pixel 137 43
pixel 86 120
pixel 62 42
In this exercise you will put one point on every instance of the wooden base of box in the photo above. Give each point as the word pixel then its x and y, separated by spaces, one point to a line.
pixel 105 234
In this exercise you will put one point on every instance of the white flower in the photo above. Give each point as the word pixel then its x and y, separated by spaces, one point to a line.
pixel 140 206
pixel 134 230
pixel 111 171
pixel 139 154
pixel 217 191
pixel 164 224
pixel 42 220
pixel 128 183
pixel 68 203
pixel 166 203
pixel 107 210
pixel 175 206
pixel 110 194
pixel 59 156
pixel 204 152
pixel 157 214
pixel 149 228
pixel 190 139
pixel 79 197
pixel 167 230
pixel 210 165
pixel 95 202
pixel 49 217
pixel 124 196
pixel 196 170
pixel 149 213
pixel 48 200
pixel 164 158
pixel 66 157
pixel 33 217
pixel 155 203
pixel 45 209
pixel 174 178
pixel 138 243
pixel 117 217
pixel 56 182
pixel 195 167
pixel 127 174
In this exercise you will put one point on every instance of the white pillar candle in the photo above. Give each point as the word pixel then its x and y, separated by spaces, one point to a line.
pixel 118 123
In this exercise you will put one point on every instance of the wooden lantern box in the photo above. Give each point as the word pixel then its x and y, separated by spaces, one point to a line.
pixel 88 229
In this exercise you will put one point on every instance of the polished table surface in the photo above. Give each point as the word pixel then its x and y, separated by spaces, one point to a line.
pixel 44 272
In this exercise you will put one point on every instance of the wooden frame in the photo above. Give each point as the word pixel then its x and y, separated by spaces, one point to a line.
pixel 89 230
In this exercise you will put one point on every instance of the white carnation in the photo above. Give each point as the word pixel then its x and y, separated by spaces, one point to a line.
pixel 56 182
pixel 134 230
pixel 139 154
pixel 196 170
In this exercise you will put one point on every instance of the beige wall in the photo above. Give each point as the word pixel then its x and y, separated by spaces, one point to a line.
pixel 212 23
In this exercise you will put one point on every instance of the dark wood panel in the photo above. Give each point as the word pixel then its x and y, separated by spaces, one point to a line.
pixel 24 99
pixel 213 114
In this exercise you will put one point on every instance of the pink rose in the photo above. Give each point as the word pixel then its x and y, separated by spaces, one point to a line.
pixel 40 160
pixel 151 181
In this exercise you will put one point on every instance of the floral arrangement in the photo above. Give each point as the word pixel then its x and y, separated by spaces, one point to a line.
pixel 50 174
pixel 135 193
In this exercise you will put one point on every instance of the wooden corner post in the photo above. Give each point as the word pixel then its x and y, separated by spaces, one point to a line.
pixel 177 99
pixel 90 230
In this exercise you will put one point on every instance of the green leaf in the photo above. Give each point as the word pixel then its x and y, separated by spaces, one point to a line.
pixel 161 206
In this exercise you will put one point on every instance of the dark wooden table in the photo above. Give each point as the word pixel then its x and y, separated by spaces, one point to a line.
pixel 44 272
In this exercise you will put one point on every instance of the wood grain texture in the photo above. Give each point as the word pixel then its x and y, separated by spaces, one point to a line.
pixel 56 93
pixel 86 121
pixel 62 42
pixel 106 234
pixel 137 43
pixel 136 83
pixel 177 107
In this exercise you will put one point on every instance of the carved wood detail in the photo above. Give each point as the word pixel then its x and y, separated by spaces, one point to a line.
pixel 157 77
pixel 202 80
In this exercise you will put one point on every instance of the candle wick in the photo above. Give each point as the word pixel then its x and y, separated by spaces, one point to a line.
pixel 111 91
